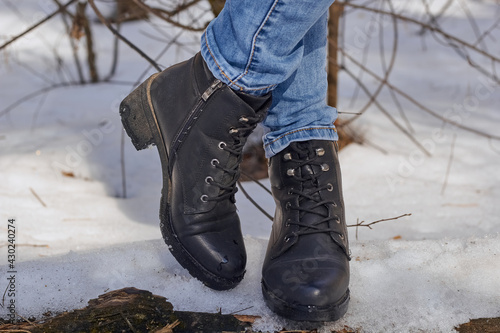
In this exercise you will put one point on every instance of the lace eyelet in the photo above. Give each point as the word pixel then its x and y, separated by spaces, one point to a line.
pixel 329 187
pixel 287 239
pixel 214 162
pixel 320 151
pixel 222 144
pixel 233 130
pixel 204 198
pixel 337 220
pixel 287 157
pixel 209 179
pixel 325 167
pixel 288 205
pixel 287 224
pixel 243 120
pixel 341 237
pixel 290 172
pixel 290 191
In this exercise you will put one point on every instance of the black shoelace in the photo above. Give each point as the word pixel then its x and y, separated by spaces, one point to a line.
pixel 239 135
pixel 306 162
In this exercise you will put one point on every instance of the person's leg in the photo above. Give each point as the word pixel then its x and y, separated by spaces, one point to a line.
pixel 199 126
pixel 299 111
pixel 253 46
pixel 305 275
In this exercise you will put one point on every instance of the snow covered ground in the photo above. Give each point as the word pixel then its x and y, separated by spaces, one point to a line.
pixel 430 271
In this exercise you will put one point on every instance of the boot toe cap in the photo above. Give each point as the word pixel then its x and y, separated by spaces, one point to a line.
pixel 320 285
pixel 225 258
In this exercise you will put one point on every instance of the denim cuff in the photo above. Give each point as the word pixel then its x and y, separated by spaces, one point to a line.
pixel 273 146
pixel 223 71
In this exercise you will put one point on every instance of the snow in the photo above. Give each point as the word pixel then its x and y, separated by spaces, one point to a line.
pixel 430 271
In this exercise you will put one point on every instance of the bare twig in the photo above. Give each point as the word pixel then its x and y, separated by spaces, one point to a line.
pixel 387 114
pixel 369 224
pixel 36 25
pixel 418 104
pixel 428 26
pixel 253 201
pixel 125 40
pixel 161 14
pixel 82 17
pixel 38 198
pixel 72 43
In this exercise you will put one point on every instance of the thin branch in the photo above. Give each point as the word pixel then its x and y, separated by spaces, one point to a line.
pixel 369 225
pixel 387 72
pixel 365 224
pixel 36 25
pixel 125 40
pixel 387 114
pixel 253 202
pixel 38 198
pixel 428 26
pixel 418 104
pixel 256 181
pixel 72 43
pixel 167 18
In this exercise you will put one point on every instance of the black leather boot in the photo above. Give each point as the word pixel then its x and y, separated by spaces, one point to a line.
pixel 306 270
pixel 199 126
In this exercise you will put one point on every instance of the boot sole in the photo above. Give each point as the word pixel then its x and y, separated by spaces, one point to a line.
pixel 140 123
pixel 300 312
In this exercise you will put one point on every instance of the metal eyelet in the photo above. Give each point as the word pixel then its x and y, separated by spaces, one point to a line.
pixel 215 162
pixel 341 237
pixel 204 198
pixel 222 144
pixel 287 224
pixel 288 205
pixel 329 187
pixel 325 167
pixel 209 179
pixel 233 131
pixel 290 172
pixel 287 239
pixel 243 120
pixel 320 151
pixel 287 157
pixel 337 220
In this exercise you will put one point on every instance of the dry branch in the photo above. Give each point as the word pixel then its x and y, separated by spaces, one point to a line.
pixel 369 224
pixel 36 25
pixel 125 40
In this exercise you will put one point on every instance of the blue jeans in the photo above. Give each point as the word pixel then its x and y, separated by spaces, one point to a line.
pixel 258 46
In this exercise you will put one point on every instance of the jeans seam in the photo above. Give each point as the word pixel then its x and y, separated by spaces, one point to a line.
pixel 217 64
pixel 254 42
pixel 227 77
pixel 296 131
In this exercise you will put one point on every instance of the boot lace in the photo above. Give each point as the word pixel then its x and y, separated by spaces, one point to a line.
pixel 310 193
pixel 239 136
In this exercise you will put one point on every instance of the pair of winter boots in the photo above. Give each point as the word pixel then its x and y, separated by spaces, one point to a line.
pixel 200 126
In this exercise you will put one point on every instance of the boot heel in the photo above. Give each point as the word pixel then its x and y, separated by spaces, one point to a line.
pixel 133 110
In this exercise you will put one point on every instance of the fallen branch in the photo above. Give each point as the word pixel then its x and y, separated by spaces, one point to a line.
pixel 36 196
pixel 369 225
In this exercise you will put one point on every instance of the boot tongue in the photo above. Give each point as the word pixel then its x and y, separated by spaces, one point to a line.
pixel 255 102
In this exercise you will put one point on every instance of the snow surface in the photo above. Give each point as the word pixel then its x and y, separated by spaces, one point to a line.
pixel 431 271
